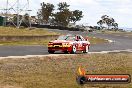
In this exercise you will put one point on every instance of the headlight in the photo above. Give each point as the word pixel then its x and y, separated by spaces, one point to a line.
pixel 50 43
pixel 65 43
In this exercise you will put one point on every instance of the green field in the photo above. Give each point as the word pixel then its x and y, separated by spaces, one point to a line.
pixel 60 71
pixel 95 40
pixel 10 31
pixel 45 41
pixel 117 33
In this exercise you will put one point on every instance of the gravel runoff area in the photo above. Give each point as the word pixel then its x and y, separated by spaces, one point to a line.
pixel 60 71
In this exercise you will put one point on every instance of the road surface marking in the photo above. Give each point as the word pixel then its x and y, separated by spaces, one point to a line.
pixel 110 41
pixel 113 51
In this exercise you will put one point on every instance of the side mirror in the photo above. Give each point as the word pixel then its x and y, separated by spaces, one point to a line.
pixel 86 39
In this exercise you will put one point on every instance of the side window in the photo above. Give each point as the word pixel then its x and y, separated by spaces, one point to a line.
pixel 82 38
pixel 79 38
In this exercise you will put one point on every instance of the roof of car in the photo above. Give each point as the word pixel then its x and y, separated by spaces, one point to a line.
pixel 72 35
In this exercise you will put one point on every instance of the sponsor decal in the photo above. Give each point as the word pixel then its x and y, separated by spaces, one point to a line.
pixel 59 45
pixel 84 78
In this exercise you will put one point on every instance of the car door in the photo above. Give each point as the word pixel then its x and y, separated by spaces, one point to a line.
pixel 79 43
pixel 84 43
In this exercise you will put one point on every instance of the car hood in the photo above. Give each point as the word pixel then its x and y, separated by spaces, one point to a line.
pixel 61 41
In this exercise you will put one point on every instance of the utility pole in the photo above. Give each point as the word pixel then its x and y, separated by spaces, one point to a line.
pixel 17 8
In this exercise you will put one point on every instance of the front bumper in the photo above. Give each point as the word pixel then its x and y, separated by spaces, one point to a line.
pixel 60 47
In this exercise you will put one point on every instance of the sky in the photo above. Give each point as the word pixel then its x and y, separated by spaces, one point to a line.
pixel 120 10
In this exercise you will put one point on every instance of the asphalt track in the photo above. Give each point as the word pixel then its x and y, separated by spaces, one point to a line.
pixel 120 42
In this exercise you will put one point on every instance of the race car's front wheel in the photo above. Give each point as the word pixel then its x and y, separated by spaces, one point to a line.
pixel 86 49
pixel 51 52
pixel 73 50
pixel 65 52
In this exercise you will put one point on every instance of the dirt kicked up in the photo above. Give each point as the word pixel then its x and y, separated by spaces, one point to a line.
pixel 60 72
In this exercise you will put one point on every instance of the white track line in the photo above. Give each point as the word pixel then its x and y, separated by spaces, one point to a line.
pixel 110 41
pixel 114 51
pixel 33 56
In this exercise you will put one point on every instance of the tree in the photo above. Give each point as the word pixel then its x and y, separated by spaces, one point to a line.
pixel 107 21
pixel 45 12
pixel 62 17
pixel 65 16
pixel 100 23
pixel 39 17
pixel 26 18
pixel 104 16
pixel 63 6
pixel 14 19
pixel 76 16
pixel 115 25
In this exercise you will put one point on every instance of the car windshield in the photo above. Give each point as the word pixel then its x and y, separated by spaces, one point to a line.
pixel 68 38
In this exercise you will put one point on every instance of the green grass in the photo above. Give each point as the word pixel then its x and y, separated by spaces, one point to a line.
pixel 117 33
pixel 11 31
pixel 92 40
pixel 60 72
pixel 28 42
pixel 95 40
pixel 42 42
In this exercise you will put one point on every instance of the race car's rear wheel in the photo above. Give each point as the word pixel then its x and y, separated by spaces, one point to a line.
pixel 86 49
pixel 74 50
pixel 51 51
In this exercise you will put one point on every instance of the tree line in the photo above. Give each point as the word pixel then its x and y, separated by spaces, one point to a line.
pixel 61 16
pixel 109 21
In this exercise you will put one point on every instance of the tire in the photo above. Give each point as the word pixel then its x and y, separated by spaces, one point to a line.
pixel 74 50
pixel 51 52
pixel 86 49
pixel 65 52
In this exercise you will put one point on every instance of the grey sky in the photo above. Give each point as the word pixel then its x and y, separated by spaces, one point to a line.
pixel 120 10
